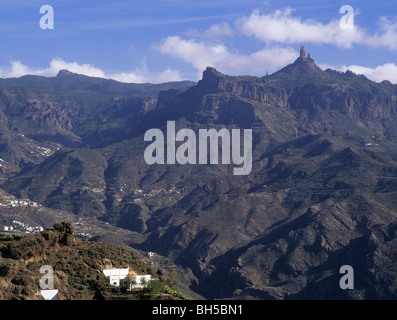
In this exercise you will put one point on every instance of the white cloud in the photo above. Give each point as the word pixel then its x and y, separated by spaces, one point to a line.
pixel 387 71
pixel 259 62
pixel 282 27
pixel 17 70
pixel 197 53
pixel 143 75
pixel 140 75
pixel 278 30
pixel 213 34
pixel 86 69
pixel 201 55
pixel 387 37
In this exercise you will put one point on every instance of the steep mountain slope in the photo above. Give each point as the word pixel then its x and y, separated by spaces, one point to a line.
pixel 321 193
pixel 39 115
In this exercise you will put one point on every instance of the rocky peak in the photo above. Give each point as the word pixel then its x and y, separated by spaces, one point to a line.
pixel 62 234
pixel 303 52
pixel 303 69
pixel 305 60
pixel 212 80
pixel 210 73
pixel 64 72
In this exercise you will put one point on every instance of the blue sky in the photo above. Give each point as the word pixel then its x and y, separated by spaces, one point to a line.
pixel 166 40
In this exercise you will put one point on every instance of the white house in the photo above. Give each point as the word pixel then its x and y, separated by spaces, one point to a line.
pixel 117 278
pixel 140 282
pixel 115 275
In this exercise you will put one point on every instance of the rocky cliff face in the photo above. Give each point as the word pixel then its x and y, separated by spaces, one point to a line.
pixel 245 88
pixel 294 87
pixel 376 104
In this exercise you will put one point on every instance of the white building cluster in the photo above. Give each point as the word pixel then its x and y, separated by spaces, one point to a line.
pixel 140 194
pixel 20 203
pixel 18 226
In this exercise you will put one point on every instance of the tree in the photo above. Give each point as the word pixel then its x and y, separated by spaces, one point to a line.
pixel 65 231
pixel 153 288
pixel 144 282
pixel 160 274
pixel 64 228
pixel 173 279
pixel 131 281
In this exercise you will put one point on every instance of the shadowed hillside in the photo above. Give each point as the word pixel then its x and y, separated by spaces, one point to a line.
pixel 321 193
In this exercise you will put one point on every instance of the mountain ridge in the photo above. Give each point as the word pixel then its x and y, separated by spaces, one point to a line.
pixel 321 191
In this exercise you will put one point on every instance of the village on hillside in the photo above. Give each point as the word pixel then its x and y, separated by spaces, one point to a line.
pixel 11 203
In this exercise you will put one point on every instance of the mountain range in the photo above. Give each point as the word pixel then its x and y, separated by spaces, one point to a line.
pixel 322 192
